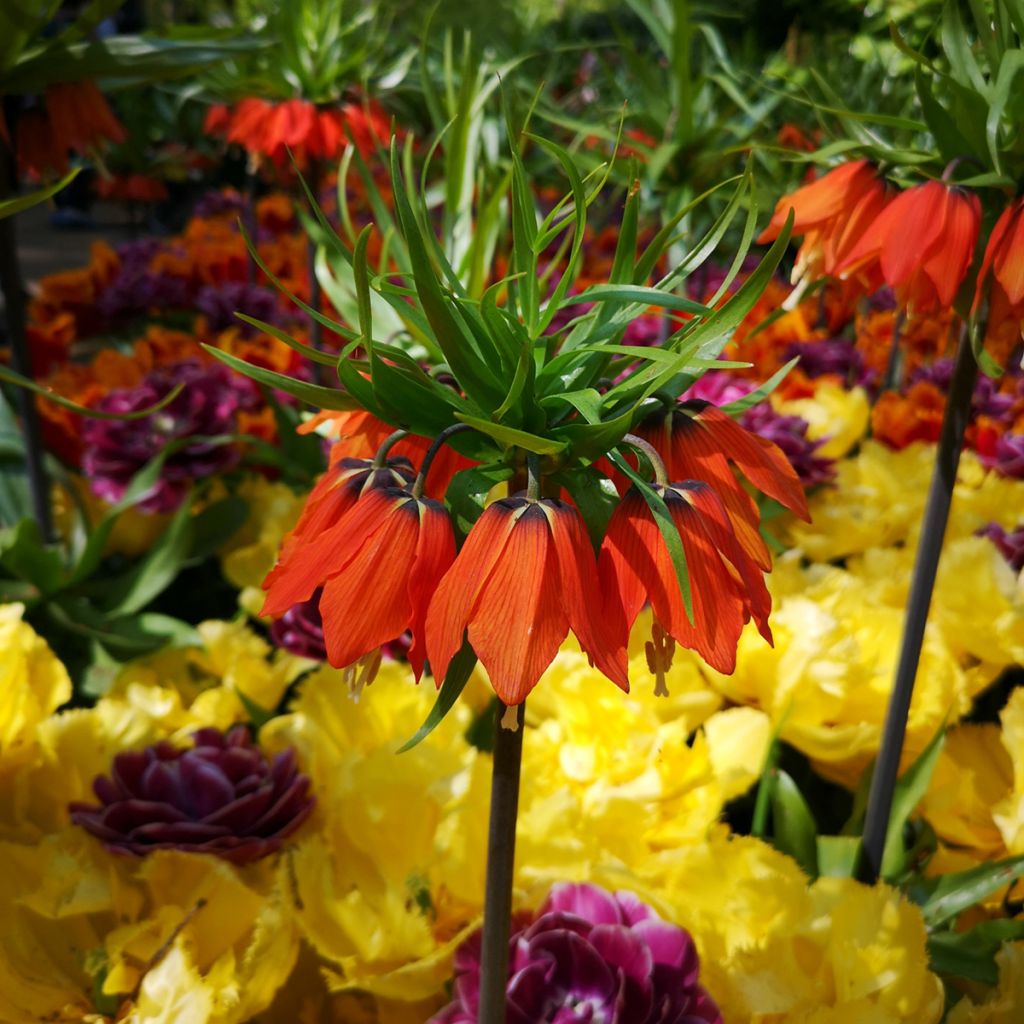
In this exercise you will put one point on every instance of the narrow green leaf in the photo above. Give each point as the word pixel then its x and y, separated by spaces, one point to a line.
pixel 794 830
pixel 312 394
pixel 510 437
pixel 459 671
pixel 909 791
pixel 9 207
pixel 972 954
pixel 837 856
pixel 963 889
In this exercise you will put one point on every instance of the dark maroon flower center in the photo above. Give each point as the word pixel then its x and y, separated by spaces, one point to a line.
pixel 221 796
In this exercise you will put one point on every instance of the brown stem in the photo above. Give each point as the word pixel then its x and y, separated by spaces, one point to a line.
pixel 501 853
pixel 940 496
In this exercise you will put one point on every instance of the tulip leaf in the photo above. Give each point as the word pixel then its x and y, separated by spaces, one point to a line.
pixel 312 394
pixel 459 670
pixel 312 354
pixel 794 830
pixel 956 892
pixel 971 954
pixel 24 554
pixel 838 856
pixel 467 493
pixel 909 791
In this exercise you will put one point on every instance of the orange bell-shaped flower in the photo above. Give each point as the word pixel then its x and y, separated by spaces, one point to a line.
pixel 697 441
pixel 831 213
pixel 923 243
pixel 726 584
pixel 379 566
pixel 525 576
pixel 1003 269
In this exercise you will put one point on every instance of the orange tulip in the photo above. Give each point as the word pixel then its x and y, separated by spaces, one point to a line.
pixel 831 213
pixel 697 441
pixel 379 566
pixel 525 576
pixel 726 584
pixel 922 243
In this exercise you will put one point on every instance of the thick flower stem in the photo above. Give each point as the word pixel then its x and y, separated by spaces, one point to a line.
pixel 940 496
pixel 501 853
pixel 13 289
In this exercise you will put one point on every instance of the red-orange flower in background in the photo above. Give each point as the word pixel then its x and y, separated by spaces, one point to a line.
pixel 311 131
pixel 379 566
pixel 726 584
pixel 1003 266
pixel 923 243
pixel 525 576
pixel 77 117
pixel 832 213
pixel 697 441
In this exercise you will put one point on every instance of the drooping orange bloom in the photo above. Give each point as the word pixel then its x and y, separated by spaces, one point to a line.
pixel 379 566
pixel 1002 270
pixel 922 243
pixel 336 492
pixel 726 585
pixel 525 576
pixel 77 118
pixel 832 213
pixel 697 441
pixel 311 131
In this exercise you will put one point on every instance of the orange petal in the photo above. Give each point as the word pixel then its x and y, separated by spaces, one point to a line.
pixel 367 603
pixel 1009 268
pixel 819 201
pixel 921 215
pixel 453 601
pixel 761 461
pixel 435 553
pixel 947 263
pixel 519 621
pixel 600 627
pixel 309 564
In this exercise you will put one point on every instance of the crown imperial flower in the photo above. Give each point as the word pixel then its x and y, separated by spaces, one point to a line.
pixel 525 576
pixel 221 796
pixel 591 956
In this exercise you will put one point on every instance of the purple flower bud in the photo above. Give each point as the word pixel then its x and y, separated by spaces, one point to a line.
pixel 1010 545
pixel 207 407
pixel 1008 457
pixel 219 304
pixel 222 796
pixel 790 434
pixel 591 957
pixel 300 631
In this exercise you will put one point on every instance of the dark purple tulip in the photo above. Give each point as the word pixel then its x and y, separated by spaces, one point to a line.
pixel 136 291
pixel 790 434
pixel 591 957
pixel 832 356
pixel 1010 545
pixel 221 796
pixel 207 407
pixel 216 202
pixel 219 303
pixel 300 631
pixel 1008 457
pixel 987 399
